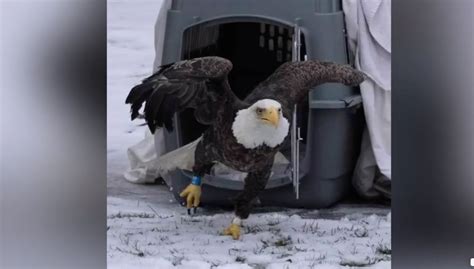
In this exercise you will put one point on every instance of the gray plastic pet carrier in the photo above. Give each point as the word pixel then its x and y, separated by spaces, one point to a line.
pixel 258 36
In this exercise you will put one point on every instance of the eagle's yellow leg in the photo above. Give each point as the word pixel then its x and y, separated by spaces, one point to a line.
pixel 193 194
pixel 234 228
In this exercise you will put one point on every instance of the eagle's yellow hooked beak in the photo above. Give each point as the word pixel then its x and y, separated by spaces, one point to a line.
pixel 271 116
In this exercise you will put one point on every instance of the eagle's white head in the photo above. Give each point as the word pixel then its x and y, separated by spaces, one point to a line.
pixel 261 123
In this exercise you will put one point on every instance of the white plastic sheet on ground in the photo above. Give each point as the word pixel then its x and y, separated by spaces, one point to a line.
pixel 143 159
pixel 146 165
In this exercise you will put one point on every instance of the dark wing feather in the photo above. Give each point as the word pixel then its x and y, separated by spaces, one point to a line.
pixel 199 83
pixel 137 96
pixel 292 81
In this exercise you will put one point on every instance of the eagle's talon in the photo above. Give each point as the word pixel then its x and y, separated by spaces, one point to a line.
pixel 233 230
pixel 192 193
pixel 193 212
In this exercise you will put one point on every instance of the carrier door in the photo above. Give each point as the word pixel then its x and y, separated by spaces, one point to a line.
pixel 295 130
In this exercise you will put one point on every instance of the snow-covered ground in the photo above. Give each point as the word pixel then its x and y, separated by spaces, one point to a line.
pixel 143 234
pixel 147 228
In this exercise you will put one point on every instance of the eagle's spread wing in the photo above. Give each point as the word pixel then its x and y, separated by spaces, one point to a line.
pixel 197 83
pixel 291 82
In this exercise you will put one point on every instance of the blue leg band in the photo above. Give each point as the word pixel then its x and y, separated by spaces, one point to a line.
pixel 196 181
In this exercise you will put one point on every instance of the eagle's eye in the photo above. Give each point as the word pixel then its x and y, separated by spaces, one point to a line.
pixel 259 110
pixel 279 110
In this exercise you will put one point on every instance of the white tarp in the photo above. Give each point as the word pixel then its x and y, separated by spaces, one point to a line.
pixel 146 165
pixel 368 25
pixel 143 159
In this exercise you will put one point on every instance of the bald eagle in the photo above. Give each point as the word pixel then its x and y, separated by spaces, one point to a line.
pixel 242 134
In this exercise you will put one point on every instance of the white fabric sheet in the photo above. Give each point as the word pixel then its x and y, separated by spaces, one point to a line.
pixel 368 25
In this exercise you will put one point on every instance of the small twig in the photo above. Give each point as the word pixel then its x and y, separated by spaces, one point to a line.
pixel 152 209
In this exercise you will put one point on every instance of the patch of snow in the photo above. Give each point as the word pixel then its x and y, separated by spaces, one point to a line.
pixel 194 265
pixel 125 263
pixel 234 266
pixel 139 232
